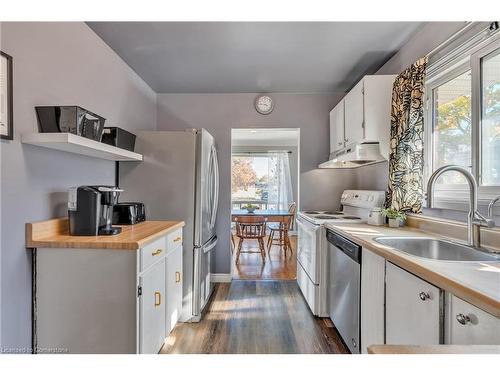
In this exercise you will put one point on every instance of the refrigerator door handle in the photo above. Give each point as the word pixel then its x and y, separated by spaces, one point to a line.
pixel 210 246
pixel 215 197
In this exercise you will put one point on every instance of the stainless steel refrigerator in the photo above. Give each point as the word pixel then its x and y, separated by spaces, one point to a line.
pixel 179 180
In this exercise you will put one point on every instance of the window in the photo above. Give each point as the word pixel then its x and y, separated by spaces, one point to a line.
pixel 490 119
pixel 262 179
pixel 463 115
pixel 452 133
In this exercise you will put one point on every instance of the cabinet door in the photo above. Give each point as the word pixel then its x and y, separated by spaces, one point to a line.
pixel 413 309
pixel 174 288
pixel 372 299
pixel 468 325
pixel 337 127
pixel 152 308
pixel 354 114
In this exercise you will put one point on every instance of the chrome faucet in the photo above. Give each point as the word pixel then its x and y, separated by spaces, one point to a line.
pixel 474 219
pixel 490 206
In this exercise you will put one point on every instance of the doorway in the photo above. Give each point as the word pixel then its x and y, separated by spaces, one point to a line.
pixel 264 179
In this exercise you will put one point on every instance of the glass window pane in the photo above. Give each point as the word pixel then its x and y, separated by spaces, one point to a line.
pixel 490 111
pixel 452 126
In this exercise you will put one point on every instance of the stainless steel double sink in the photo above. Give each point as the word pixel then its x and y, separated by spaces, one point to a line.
pixel 437 249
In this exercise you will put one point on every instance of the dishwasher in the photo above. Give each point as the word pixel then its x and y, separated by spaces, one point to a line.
pixel 345 288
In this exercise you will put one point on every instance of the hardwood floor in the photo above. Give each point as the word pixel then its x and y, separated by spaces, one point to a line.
pixel 258 317
pixel 276 267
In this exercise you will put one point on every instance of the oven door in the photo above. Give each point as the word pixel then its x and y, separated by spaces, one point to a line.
pixel 308 248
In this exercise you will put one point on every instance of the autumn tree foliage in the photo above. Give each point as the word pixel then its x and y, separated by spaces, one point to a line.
pixel 243 175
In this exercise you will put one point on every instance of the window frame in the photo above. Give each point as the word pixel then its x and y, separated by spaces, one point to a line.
pixel 459 193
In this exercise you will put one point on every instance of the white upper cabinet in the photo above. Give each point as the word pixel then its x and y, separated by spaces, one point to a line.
pixel 365 114
pixel 413 309
pixel 337 127
pixel 354 114
pixel 468 325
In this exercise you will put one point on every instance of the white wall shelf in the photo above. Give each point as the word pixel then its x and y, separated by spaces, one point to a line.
pixel 79 145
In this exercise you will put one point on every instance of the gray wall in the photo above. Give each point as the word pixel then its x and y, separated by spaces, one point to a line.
pixel 54 63
pixel 219 113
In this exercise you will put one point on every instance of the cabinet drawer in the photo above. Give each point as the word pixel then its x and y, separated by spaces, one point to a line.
pixel 174 239
pixel 468 325
pixel 153 252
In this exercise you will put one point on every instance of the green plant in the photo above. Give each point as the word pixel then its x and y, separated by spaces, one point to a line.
pixel 250 207
pixel 394 214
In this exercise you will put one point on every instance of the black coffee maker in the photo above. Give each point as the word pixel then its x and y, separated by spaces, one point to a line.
pixel 90 210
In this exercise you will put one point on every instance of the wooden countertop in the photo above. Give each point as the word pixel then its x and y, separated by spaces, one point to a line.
pixel 54 234
pixel 475 282
pixel 434 349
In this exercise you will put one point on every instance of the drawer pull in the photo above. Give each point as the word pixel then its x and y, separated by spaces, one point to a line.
pixel 157 252
pixel 177 277
pixel 178 239
pixel 424 296
pixel 463 319
pixel 157 298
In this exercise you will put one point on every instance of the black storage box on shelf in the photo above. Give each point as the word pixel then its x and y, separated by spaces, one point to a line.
pixel 119 138
pixel 70 119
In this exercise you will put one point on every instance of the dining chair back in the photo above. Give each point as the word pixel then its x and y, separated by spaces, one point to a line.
pixel 250 228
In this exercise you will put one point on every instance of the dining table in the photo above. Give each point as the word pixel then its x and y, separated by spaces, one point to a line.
pixel 272 216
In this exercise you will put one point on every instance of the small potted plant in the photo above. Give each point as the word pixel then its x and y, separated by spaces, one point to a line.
pixel 250 208
pixel 396 218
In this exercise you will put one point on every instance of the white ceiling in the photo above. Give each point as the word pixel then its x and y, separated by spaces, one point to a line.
pixel 239 57
pixel 265 137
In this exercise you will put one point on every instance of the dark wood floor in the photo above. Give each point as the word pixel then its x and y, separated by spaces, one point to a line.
pixel 276 267
pixel 258 317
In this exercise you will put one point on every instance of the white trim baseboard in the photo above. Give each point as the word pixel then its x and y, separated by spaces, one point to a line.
pixel 221 277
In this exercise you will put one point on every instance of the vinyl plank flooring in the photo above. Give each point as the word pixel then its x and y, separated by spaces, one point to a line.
pixel 256 317
pixel 277 265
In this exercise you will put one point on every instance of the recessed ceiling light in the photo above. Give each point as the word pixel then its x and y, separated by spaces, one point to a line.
pixel 253 131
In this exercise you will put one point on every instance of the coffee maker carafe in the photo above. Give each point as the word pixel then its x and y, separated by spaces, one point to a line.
pixel 90 210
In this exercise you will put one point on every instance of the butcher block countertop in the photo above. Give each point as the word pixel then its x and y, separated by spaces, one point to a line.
pixel 434 349
pixel 55 234
pixel 475 282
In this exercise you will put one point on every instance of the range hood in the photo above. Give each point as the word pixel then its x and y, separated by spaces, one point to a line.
pixel 354 156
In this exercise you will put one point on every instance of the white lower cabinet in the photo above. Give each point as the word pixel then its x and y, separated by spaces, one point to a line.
pixel 152 308
pixel 174 288
pixel 372 299
pixel 468 325
pixel 107 300
pixel 413 309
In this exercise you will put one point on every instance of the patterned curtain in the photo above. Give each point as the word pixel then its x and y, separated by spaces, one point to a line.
pixel 406 158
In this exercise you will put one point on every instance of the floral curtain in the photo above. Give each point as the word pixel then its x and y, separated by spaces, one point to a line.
pixel 406 158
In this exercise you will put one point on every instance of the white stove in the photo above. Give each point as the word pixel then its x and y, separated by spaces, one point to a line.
pixel 356 207
pixel 312 262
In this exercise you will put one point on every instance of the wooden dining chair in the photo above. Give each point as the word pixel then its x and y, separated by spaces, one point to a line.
pixel 251 228
pixel 281 229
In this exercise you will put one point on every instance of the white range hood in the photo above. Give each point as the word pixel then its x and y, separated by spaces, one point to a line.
pixel 354 156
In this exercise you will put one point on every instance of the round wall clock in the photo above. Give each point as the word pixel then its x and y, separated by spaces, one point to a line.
pixel 264 104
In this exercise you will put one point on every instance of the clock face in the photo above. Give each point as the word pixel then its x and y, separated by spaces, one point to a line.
pixel 264 104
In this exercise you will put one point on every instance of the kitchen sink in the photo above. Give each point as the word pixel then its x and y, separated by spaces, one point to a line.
pixel 437 249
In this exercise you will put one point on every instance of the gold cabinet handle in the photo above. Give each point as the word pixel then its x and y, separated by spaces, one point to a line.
pixel 157 252
pixel 157 298
pixel 177 277
pixel 178 239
